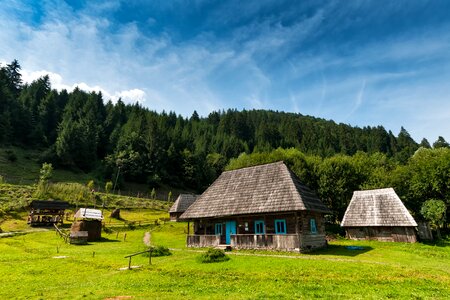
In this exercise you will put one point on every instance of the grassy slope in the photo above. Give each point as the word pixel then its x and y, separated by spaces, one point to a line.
pixel 25 171
pixel 386 270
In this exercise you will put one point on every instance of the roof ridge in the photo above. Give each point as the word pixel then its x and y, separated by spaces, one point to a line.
pixel 255 166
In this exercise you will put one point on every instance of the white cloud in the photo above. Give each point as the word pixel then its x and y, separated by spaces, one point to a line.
pixel 56 80
pixel 134 95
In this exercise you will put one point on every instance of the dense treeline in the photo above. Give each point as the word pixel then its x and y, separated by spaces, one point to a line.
pixel 426 175
pixel 81 130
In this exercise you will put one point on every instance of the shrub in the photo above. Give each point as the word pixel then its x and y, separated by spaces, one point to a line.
pixel 107 229
pixel 213 255
pixel 159 251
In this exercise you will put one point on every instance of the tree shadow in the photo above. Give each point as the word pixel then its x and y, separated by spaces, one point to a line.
pixel 437 243
pixel 106 240
pixel 341 250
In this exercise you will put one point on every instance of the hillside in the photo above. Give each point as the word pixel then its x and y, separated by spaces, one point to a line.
pixel 86 133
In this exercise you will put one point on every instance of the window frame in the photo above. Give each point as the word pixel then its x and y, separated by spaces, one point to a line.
pixel 313 226
pixel 280 221
pixel 260 222
pixel 217 226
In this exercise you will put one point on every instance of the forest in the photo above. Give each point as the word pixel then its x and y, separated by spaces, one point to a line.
pixel 82 131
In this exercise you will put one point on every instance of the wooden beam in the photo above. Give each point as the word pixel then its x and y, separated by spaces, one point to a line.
pixel 298 231
pixel 188 231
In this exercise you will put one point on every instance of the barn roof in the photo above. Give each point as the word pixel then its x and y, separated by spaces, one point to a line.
pixel 261 189
pixel 182 203
pixel 42 204
pixel 89 213
pixel 381 207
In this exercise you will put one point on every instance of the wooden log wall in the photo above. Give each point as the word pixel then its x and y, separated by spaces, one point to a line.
pixel 383 234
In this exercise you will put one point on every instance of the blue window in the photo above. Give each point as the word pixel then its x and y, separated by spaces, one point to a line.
pixel 219 228
pixel 259 227
pixel 280 226
pixel 313 226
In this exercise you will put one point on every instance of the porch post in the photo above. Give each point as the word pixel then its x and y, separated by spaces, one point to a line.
pixel 188 228
pixel 298 231
pixel 265 231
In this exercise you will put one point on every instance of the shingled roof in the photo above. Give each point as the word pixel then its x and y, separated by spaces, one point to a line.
pixel 182 203
pixel 42 204
pixel 260 189
pixel 381 207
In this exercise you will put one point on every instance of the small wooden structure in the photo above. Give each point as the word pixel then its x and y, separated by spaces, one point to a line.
pixel 261 207
pixel 87 220
pixel 46 213
pixel 378 215
pixel 78 237
pixel 180 205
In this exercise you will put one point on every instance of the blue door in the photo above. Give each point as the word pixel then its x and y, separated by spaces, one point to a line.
pixel 229 230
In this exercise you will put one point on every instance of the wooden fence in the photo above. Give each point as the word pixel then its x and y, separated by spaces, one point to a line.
pixel 134 254
pixel 63 235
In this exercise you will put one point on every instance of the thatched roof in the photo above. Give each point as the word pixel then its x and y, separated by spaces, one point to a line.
pixel 182 203
pixel 380 207
pixel 262 189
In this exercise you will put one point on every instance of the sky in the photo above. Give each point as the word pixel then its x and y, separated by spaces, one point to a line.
pixel 363 63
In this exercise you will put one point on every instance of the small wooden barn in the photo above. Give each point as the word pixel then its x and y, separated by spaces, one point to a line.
pixel 378 215
pixel 261 207
pixel 46 213
pixel 87 220
pixel 180 205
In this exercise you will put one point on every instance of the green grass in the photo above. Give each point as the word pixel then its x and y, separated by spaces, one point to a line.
pixel 25 171
pixel 382 270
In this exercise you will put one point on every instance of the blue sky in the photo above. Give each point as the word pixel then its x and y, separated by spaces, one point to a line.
pixel 356 62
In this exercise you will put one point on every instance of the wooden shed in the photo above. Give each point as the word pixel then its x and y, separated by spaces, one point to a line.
pixel 46 213
pixel 378 215
pixel 88 220
pixel 261 207
pixel 180 205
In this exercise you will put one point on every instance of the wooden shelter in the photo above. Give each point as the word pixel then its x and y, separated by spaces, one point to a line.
pixel 46 213
pixel 378 215
pixel 87 220
pixel 180 205
pixel 261 207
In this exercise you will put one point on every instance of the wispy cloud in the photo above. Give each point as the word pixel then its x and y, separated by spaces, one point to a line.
pixel 341 61
pixel 358 101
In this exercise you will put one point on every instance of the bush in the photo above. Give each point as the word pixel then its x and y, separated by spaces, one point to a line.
pixel 159 251
pixel 107 229
pixel 213 255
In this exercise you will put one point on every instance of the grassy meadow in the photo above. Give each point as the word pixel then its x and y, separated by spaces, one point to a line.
pixel 39 265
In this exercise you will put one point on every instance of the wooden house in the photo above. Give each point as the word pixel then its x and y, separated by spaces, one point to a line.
pixel 378 215
pixel 46 213
pixel 180 205
pixel 261 207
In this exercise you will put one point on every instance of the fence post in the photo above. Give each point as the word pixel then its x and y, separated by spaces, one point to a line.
pixel 129 263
